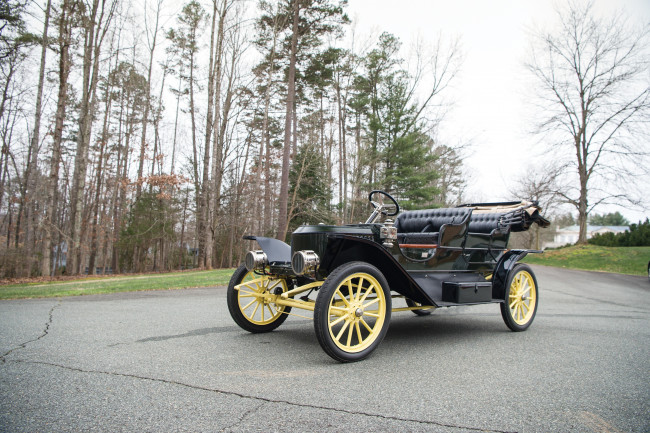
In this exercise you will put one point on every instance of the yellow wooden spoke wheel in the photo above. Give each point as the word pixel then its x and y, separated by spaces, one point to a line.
pixel 251 301
pixel 521 298
pixel 352 311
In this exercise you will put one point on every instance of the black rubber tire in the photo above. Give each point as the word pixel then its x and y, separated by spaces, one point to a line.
pixel 411 303
pixel 325 296
pixel 506 312
pixel 236 312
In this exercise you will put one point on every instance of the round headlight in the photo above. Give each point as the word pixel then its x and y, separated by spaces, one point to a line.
pixel 305 262
pixel 256 260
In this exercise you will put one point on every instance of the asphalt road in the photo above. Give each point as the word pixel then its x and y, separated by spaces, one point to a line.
pixel 175 361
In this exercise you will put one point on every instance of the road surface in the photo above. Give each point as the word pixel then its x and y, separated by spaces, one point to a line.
pixel 175 361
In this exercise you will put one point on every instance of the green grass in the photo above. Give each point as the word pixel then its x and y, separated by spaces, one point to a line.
pixel 176 280
pixel 621 260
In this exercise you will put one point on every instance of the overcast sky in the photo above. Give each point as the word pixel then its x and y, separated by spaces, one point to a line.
pixel 489 94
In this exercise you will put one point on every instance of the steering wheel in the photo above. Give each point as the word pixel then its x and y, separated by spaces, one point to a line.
pixel 390 209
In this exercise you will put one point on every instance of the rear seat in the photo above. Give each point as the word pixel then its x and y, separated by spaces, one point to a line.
pixel 484 222
pixel 423 226
pixel 483 233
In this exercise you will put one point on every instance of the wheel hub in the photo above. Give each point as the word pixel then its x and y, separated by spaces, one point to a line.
pixel 358 312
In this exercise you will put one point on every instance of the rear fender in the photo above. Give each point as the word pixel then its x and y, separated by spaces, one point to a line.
pixel 502 269
pixel 343 249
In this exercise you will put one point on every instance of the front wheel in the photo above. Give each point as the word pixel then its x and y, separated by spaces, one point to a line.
pixel 522 297
pixel 253 306
pixel 352 311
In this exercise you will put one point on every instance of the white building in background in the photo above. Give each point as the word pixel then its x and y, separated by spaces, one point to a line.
pixel 569 235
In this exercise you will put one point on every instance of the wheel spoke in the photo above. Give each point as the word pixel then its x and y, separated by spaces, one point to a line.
pixel 255 310
pixel 350 290
pixel 363 322
pixel 254 289
pixel 359 287
pixel 374 301
pixel 345 301
pixel 342 330
pixel 356 325
pixel 339 320
pixel 350 333
pixel 336 311
pixel 249 304
pixel 368 291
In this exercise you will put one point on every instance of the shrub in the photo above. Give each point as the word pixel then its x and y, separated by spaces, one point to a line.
pixel 638 236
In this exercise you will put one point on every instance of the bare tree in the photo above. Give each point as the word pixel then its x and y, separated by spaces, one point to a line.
pixel 95 20
pixel 151 35
pixel 593 90
pixel 64 40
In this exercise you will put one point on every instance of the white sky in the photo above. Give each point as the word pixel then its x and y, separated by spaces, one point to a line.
pixel 489 94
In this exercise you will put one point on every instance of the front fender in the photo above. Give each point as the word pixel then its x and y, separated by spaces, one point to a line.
pixel 276 250
pixel 343 249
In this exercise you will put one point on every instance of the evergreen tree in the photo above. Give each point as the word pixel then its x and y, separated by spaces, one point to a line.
pixel 310 193
pixel 610 219
pixel 399 154
pixel 149 221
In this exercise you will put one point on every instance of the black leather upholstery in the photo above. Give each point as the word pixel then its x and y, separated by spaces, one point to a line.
pixel 484 222
pixel 430 220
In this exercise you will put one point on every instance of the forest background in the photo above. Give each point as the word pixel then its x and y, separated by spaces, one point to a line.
pixel 150 136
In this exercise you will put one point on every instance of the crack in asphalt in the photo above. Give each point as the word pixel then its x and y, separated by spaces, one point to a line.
pixel 244 416
pixel 46 330
pixel 263 399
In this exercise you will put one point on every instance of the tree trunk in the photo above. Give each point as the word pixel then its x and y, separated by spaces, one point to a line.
pixel 94 33
pixel 291 96
pixel 36 138
pixel 98 188
pixel 65 31
pixel 264 207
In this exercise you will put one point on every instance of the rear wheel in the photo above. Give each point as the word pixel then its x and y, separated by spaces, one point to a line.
pixel 253 306
pixel 522 297
pixel 412 304
pixel 352 311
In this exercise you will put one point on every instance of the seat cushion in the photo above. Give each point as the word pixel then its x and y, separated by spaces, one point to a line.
pixel 484 222
pixel 429 220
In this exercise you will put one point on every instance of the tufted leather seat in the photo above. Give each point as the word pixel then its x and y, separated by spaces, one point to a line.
pixel 484 222
pixel 423 226
pixel 430 220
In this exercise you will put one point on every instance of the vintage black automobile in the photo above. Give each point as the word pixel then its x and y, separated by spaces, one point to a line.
pixel 430 258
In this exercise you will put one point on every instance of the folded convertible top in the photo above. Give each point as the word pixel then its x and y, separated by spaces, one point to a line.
pixel 516 215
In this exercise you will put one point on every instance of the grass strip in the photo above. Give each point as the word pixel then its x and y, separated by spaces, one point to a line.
pixel 92 286
pixel 620 260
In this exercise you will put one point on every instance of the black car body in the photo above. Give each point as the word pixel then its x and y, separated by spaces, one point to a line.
pixel 432 258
